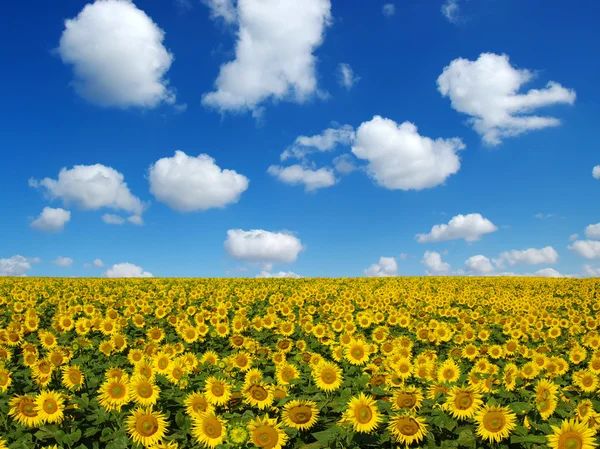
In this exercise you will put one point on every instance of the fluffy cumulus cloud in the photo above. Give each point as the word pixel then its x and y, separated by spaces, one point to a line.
pixel 531 256
pixel 312 180
pixel 112 219
pixel 63 261
pixel 401 159
pixel 279 275
pixel 118 56
pixel 346 76
pixel 188 183
pixel 596 172
pixel 91 187
pixel 488 90
pixel 98 263
pixel 274 53
pixel 222 9
pixel 258 245
pixel 345 164
pixel 593 231
pixel 328 140
pixel 126 270
pixel 14 266
pixel 479 264
pixel 548 273
pixel 590 249
pixel 467 227
pixel 590 271
pixel 388 9
pixel 434 265
pixel 51 220
pixel 387 266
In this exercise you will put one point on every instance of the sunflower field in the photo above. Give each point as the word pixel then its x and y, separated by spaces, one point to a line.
pixel 303 363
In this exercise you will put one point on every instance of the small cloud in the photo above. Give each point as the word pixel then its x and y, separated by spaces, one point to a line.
pixel 63 261
pixel 573 237
pixel 136 220
pixel 346 76
pixel 596 172
pixel 112 219
pixel 451 10
pixel 98 263
pixel 389 9
pixel 52 220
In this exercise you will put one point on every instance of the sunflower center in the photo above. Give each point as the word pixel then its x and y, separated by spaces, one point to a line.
pixel 116 391
pixel 363 414
pixel 199 405
pixel 494 421
pixel 28 409
pixel 357 352
pixel 50 406
pixel 217 390
pixel 448 373
pixel 407 426
pixel 266 436
pixel 212 427
pixel 163 363
pixel 287 374
pixel 463 401
pixel 259 393
pixel 570 440
pixel 587 381
pixel 301 414
pixel 328 376
pixel 146 425
pixel 177 373
pixel 3 378
pixel 144 390
pixel 406 400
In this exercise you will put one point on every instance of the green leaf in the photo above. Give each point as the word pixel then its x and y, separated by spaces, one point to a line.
pixel 520 407
pixel 528 439
pixel 327 436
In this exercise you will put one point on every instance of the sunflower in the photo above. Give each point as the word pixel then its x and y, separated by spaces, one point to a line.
pixel 5 379
pixel 285 373
pixel 300 415
pixel 72 377
pixel 327 376
pixel 209 429
pixel 252 376
pixel 49 406
pixel 3 443
pixel 357 352
pixel 449 372
pixel 407 398
pixel 495 423
pixel 175 372
pixel 210 357
pixel 572 435
pixel 258 395
pixel 161 362
pixel 217 391
pixel 237 434
pixel 407 429
pixel 267 433
pixel 146 426
pixel 196 404
pixel 23 409
pixel 463 402
pixel 362 413
pixel 143 391
pixel 586 381
pixel 584 409
pixel 114 393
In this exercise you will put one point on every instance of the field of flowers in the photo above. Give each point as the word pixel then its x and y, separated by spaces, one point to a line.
pixel 304 363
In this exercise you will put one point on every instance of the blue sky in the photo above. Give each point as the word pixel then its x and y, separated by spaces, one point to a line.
pixel 477 115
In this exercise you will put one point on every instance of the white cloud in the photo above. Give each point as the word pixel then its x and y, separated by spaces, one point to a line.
pixel 468 227
pixel 479 264
pixel 400 159
pixel 258 245
pixel 188 183
pixel 590 271
pixel 403 256
pixel 531 256
pixel 91 187
pixel 548 273
pixel 52 220
pixel 63 261
pixel 386 266
pixel 389 9
pixel 126 270
pixel 593 231
pixel 117 55
pixel 98 263
pixel 34 260
pixel 344 164
pixel 273 56
pixel 434 264
pixel 112 219
pixel 596 172
pixel 223 9
pixel 590 249
pixel 573 237
pixel 14 266
pixel 487 90
pixel 346 76
pixel 297 174
pixel 451 10
pixel 136 220
pixel 328 140
pixel 280 275
pixel 541 216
